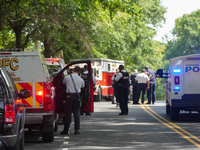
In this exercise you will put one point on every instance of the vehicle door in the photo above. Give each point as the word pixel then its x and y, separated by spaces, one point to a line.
pixel 60 88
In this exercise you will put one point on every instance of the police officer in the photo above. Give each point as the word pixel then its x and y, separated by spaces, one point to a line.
pixel 115 88
pixel 134 86
pixel 151 91
pixel 84 76
pixel 123 86
pixel 72 104
pixel 143 84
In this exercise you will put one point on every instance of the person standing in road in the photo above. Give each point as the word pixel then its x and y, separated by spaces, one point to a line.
pixel 123 89
pixel 84 76
pixel 72 104
pixel 115 88
pixel 134 86
pixel 151 91
pixel 143 83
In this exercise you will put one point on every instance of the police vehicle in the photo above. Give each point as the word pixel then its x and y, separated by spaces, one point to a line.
pixel 182 85
pixel 29 71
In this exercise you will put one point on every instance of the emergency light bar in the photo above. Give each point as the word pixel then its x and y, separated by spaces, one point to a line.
pixel 176 70
pixel 12 49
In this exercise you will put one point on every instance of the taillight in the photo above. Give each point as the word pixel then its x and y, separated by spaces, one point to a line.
pixel 9 114
pixel 47 97
pixel 176 80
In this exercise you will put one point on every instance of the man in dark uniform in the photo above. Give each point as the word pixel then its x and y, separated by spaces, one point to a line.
pixel 123 86
pixel 134 86
pixel 151 91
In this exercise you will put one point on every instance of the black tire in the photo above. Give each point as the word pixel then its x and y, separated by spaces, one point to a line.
pixel 48 136
pixel 174 113
pixel 98 97
pixel 167 109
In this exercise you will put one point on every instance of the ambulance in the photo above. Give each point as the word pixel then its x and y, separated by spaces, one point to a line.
pixel 103 70
pixel 182 85
pixel 29 71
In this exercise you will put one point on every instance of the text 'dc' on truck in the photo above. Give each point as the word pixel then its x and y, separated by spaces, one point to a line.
pixel 29 71
pixel 103 70
pixel 182 85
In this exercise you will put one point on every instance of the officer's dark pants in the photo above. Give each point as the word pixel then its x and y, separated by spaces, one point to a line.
pixel 123 97
pixel 72 105
pixel 141 87
pixel 134 91
pixel 115 93
pixel 151 93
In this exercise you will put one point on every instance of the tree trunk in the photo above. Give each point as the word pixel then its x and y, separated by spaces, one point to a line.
pixel 18 36
pixel 47 51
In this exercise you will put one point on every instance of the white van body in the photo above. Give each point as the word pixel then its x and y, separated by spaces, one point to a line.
pixel 183 85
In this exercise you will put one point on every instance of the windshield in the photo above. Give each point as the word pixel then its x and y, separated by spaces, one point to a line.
pixel 54 70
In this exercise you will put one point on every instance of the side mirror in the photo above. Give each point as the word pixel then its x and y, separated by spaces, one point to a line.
pixel 160 74
pixel 24 93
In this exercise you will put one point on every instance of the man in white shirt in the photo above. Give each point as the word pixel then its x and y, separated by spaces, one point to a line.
pixel 72 104
pixel 143 83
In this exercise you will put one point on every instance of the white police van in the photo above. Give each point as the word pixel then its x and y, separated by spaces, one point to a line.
pixel 182 85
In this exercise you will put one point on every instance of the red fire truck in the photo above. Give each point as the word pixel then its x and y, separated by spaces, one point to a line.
pixel 103 70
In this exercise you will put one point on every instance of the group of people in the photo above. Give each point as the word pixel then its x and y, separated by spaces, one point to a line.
pixel 140 82
pixel 121 83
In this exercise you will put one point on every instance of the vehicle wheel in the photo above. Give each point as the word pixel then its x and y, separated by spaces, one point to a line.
pixel 167 109
pixel 48 136
pixel 174 113
pixel 98 97
pixel 56 126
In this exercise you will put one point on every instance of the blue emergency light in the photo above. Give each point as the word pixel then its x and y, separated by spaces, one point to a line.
pixel 177 71
pixel 176 88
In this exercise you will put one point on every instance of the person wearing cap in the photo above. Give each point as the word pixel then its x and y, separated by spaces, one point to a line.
pixel 151 91
pixel 122 81
pixel 134 86
pixel 143 83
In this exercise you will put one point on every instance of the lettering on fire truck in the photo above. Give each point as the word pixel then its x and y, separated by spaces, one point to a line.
pixel 12 63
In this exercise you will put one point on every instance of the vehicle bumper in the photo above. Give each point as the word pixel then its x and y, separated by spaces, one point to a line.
pixel 36 118
pixel 188 102
pixel 10 140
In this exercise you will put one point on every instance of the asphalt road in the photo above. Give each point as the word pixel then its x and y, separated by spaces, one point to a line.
pixel 146 127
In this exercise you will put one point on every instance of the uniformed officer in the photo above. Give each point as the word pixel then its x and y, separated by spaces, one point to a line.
pixel 84 76
pixel 151 91
pixel 123 86
pixel 72 104
pixel 143 84
pixel 115 88
pixel 134 86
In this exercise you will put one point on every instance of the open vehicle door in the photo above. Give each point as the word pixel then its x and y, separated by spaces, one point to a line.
pixel 87 92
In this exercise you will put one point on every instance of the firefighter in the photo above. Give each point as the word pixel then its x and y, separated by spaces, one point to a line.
pixel 84 76
pixel 123 86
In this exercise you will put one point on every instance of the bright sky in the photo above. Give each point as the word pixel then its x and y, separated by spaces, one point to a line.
pixel 175 9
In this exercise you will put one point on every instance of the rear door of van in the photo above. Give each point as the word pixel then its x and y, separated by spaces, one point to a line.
pixel 60 88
